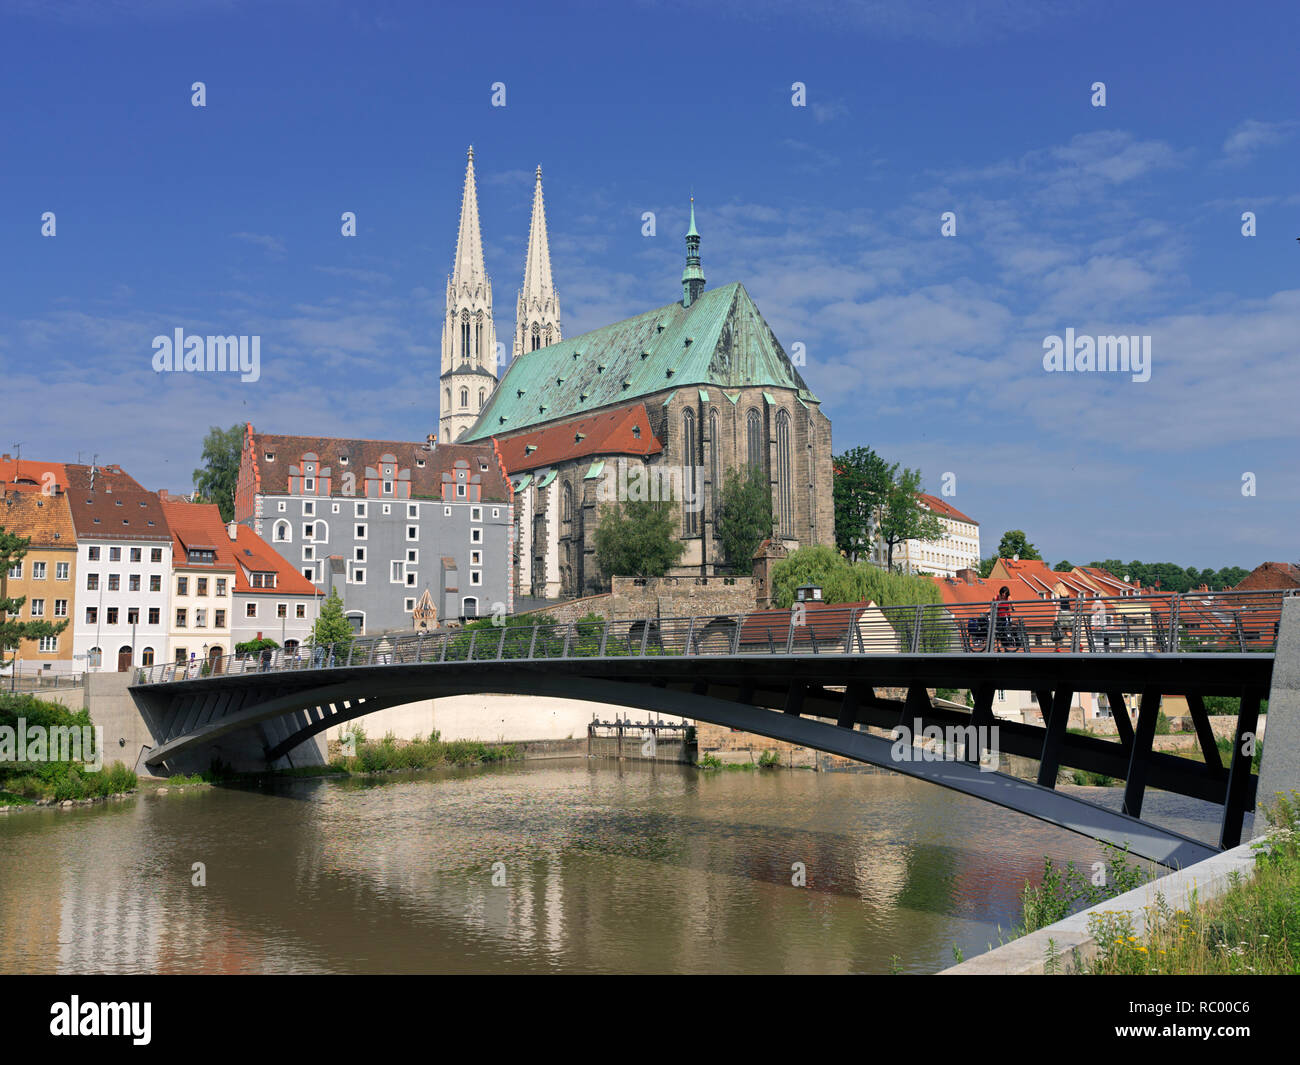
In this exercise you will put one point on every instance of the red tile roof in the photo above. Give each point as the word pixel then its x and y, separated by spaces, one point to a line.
pixel 27 472
pixel 109 504
pixel 944 510
pixel 199 525
pixel 272 478
pixel 28 512
pixel 256 555
pixel 623 431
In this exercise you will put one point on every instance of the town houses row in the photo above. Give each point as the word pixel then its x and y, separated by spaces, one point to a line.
pixel 139 578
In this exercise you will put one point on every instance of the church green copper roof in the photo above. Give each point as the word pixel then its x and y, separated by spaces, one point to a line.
pixel 720 340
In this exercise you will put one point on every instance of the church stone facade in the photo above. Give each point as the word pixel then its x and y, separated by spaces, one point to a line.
pixel 677 396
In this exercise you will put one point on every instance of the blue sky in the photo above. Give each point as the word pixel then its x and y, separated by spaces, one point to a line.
pixel 1117 220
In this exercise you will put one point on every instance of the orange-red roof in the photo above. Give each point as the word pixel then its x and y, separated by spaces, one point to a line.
pixel 27 472
pixel 623 431
pixel 47 520
pixel 198 525
pixel 944 510
pixel 256 555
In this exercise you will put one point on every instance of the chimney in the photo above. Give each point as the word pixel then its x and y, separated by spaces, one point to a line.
pixel 232 530
pixel 967 576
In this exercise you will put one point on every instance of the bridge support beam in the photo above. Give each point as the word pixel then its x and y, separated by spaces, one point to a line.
pixel 1140 756
pixel 1279 769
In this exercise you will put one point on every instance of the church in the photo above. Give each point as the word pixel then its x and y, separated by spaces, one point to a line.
pixel 699 387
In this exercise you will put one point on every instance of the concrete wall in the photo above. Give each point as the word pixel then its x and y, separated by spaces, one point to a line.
pixel 1279 768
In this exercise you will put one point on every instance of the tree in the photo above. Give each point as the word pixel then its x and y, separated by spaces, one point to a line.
pixel 902 517
pixel 1016 544
pixel 1064 566
pixel 12 632
pixel 215 482
pixel 986 567
pixel 861 484
pixel 638 539
pixel 842 581
pixel 331 626
pixel 745 517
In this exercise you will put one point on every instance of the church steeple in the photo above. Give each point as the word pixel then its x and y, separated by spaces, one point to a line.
pixel 537 320
pixel 469 341
pixel 693 275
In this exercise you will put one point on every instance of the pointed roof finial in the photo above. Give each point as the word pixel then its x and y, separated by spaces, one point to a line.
pixel 539 171
pixel 471 153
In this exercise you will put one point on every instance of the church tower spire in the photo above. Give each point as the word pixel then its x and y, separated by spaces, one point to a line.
pixel 469 340
pixel 537 320
pixel 693 275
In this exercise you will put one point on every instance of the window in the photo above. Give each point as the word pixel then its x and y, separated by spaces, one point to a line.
pixel 181 656
pixel 358 554
pixel 408 604
pixel 496 512
pixel 155 582
pixel 388 508
pixel 412 532
pixel 155 554
pixel 397 572
pixel 114 582
pixel 309 484
pixel 146 657
pixel 281 610
pixel 360 533
pixel 115 554
pixel 282 531
pixel 475 576
pixel 221 586
pixel 358 576
pixel 476 536
pixel 250 610
pixel 460 491
pixel 412 510
pixel 180 618
pixel 309 572
pixel 92 615
pixel 754 438
pixel 413 554
pixel 92 581
pixel 154 615
pixel 715 484
pixel 469 606
pixel 464 397
pixel 446 512
pixel 785 482
pixel 475 513
pixel 476 558
pixel 92 553
pixel 94 656
pixel 133 616
pixel 133 582
pixel 300 611
pixel 135 554
pixel 49 644
pixel 388 490
pixel 308 553
pixel 61 570
pixel 111 616
pixel 38 571
pixel 690 450
pixel 359 510
pixel 334 508
pixel 182 585
pixel 281 507
pixel 411 578
pixel 60 608
pixel 308 530
pixel 200 618
pixel 202 586
pixel 38 608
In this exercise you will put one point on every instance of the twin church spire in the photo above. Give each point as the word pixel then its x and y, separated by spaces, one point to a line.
pixel 470 354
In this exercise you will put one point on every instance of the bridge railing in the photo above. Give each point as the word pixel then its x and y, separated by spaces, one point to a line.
pixel 1239 622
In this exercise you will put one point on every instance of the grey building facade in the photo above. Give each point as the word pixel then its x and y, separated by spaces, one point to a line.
pixel 383 522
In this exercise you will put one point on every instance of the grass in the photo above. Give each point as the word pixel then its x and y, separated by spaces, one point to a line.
pixel 1066 891
pixel 1252 929
pixel 387 754
pixel 56 780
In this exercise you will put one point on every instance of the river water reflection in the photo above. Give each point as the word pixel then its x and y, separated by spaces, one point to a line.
pixel 606 868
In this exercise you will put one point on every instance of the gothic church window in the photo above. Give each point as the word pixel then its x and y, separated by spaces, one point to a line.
pixel 754 434
pixel 785 487
pixel 464 397
pixel 689 487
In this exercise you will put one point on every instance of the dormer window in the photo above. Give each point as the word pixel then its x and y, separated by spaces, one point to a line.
pixel 343 460
pixel 309 484
pixel 636 431
pixel 270 456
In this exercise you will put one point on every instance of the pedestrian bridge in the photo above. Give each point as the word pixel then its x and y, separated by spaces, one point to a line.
pixel 820 676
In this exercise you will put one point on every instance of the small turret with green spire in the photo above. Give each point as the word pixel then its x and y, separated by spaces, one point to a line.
pixel 693 275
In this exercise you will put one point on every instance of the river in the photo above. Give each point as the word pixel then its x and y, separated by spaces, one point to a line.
pixel 598 867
